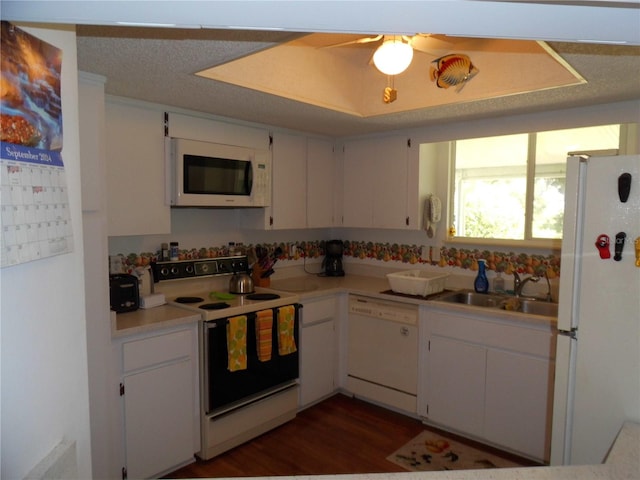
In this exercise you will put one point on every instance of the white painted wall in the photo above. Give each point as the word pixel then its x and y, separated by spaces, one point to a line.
pixel 43 332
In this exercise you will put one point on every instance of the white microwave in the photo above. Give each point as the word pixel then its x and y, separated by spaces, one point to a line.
pixel 215 175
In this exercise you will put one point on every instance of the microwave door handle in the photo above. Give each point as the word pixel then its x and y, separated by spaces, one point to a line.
pixel 249 177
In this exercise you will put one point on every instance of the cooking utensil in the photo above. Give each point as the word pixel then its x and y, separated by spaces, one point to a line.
pixel 241 282
pixel 267 273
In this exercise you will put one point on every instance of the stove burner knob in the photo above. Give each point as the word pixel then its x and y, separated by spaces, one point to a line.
pixel 189 269
pixel 174 270
pixel 164 271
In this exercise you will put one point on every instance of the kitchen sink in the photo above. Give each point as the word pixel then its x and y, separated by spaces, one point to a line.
pixel 503 302
pixel 473 298
pixel 537 307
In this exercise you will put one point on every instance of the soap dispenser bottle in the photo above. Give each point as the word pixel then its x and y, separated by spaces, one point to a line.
pixel 481 283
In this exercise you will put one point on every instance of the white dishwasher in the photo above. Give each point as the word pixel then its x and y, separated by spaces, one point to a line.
pixel 382 351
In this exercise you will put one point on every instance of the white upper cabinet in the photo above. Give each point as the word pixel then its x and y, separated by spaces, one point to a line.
pixel 135 170
pixel 303 182
pixel 289 171
pixel 214 131
pixel 321 184
pixel 376 182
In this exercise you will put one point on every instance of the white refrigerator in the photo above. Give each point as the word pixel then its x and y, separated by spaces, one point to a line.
pixel 597 378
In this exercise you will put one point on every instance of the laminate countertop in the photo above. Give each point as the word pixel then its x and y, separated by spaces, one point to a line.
pixel 371 282
pixel 308 287
pixel 150 320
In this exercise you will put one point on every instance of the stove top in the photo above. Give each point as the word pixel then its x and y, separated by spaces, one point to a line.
pixel 211 307
pixel 202 286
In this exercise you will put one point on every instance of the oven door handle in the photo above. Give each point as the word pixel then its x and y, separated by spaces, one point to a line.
pixel 204 359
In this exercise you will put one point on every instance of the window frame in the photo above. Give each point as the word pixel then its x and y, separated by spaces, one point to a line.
pixel 528 241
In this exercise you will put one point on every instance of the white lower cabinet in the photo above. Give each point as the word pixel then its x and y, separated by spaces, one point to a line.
pixel 317 350
pixel 517 408
pixel 456 384
pixel 158 389
pixel 490 379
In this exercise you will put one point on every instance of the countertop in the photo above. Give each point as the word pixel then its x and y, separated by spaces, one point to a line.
pixel 150 319
pixel 369 281
pixel 313 286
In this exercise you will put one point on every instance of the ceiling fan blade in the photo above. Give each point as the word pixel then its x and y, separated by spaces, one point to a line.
pixel 432 44
pixel 439 45
pixel 359 41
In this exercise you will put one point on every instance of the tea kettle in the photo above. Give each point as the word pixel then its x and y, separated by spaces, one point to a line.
pixel 241 282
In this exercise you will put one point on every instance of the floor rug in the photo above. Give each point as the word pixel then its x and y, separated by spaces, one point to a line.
pixel 431 451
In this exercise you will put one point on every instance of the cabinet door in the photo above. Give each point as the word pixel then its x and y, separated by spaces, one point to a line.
pixel 358 178
pixel 317 354
pixel 390 185
pixel 289 199
pixel 375 183
pixel 456 384
pixel 159 429
pixel 321 183
pixel 518 400
pixel 135 171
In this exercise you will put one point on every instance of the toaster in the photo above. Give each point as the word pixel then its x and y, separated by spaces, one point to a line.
pixel 124 292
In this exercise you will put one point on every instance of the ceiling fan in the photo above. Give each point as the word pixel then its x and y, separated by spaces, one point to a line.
pixel 394 54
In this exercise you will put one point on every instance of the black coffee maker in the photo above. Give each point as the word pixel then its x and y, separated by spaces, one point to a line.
pixel 332 262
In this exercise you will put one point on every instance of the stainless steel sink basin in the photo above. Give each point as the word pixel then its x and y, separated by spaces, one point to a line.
pixel 473 298
pixel 536 307
pixel 504 302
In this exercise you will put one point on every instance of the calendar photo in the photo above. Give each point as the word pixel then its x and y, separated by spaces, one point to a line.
pixel 34 203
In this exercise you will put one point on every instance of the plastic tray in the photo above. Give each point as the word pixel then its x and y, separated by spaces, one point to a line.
pixel 417 282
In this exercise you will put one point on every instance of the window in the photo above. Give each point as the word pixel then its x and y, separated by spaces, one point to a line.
pixel 512 187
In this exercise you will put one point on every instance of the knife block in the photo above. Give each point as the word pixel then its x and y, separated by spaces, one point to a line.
pixel 257 280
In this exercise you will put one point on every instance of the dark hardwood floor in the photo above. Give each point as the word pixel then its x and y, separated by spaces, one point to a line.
pixel 337 436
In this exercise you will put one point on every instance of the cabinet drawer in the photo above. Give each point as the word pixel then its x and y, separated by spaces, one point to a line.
pixel 155 350
pixel 318 310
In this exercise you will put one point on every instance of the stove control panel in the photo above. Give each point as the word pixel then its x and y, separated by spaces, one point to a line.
pixel 199 268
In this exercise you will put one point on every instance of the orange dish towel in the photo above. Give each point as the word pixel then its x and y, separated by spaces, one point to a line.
pixel 264 327
pixel 286 324
pixel 237 343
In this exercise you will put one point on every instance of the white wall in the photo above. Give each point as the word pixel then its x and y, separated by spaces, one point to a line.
pixel 44 352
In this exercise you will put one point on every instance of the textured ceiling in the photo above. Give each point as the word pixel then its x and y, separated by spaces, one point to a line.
pixel 158 65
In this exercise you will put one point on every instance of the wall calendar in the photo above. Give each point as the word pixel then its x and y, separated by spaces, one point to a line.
pixel 34 211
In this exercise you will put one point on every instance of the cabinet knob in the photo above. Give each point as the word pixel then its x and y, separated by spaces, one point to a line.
pixel 404 331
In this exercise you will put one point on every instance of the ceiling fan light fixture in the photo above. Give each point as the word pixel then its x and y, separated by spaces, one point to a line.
pixel 393 57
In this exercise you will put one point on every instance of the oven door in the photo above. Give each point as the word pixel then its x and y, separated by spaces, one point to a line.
pixel 225 389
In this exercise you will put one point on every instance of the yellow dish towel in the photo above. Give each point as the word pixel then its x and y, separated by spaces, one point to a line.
pixel 264 327
pixel 237 343
pixel 286 323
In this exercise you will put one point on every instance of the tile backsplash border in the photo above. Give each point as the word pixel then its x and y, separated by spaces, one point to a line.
pixel 463 258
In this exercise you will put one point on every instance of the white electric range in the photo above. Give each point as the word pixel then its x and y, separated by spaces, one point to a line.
pixel 241 404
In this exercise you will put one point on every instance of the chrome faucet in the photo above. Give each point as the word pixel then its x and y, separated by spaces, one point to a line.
pixel 518 283
pixel 548 297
